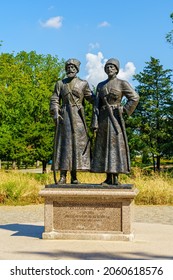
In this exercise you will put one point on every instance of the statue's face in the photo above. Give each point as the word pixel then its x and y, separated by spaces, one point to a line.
pixel 71 71
pixel 110 70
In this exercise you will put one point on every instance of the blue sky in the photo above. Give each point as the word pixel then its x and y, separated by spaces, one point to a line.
pixel 92 31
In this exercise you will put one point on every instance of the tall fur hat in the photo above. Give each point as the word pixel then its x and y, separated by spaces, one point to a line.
pixel 73 61
pixel 113 61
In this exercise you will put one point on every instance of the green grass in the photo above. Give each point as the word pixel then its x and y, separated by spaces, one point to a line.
pixel 18 188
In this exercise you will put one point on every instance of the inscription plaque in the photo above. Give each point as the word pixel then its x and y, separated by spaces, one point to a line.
pixel 100 217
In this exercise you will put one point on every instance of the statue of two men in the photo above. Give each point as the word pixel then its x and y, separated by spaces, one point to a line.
pixel 72 144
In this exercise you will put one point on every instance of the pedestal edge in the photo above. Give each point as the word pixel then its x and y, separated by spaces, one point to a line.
pixel 88 236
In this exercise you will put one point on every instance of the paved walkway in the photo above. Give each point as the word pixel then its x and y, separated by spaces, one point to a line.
pixel 21 228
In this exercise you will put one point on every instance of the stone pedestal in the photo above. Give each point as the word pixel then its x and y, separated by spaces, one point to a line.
pixel 88 212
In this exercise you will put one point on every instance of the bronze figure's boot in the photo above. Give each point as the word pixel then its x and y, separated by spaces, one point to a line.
pixel 115 179
pixel 74 179
pixel 108 180
pixel 63 174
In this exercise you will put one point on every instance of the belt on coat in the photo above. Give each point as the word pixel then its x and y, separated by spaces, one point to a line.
pixel 115 106
pixel 79 106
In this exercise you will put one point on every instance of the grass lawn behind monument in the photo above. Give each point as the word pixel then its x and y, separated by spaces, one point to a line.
pixel 17 188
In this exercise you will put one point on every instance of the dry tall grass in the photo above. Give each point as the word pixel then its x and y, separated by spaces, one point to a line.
pixel 19 188
pixel 154 189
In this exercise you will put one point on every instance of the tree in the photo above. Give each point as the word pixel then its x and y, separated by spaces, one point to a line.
pixel 155 111
pixel 27 82
pixel 44 72
pixel 9 108
pixel 169 35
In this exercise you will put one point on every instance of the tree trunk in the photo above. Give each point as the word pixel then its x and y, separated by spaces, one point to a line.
pixel 44 164
pixel 8 165
pixel 18 164
pixel 154 166
pixel 158 163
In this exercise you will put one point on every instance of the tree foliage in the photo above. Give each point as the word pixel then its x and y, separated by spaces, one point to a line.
pixel 169 35
pixel 26 84
pixel 155 110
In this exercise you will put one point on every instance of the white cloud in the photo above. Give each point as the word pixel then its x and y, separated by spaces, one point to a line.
pixel 127 72
pixel 54 22
pixel 95 69
pixel 104 24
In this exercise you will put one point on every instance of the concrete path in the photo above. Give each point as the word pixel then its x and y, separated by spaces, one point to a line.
pixel 21 228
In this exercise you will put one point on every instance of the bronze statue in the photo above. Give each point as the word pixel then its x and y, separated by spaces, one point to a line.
pixel 72 143
pixel 111 151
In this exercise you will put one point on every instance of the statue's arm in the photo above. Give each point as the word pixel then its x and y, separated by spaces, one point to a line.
pixel 132 98
pixel 88 94
pixel 55 101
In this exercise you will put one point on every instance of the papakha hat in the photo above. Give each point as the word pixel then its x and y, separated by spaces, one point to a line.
pixel 113 61
pixel 73 61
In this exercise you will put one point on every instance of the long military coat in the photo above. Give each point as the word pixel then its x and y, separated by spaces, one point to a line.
pixel 71 144
pixel 111 152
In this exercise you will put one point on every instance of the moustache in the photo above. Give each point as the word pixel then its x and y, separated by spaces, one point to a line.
pixel 70 72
